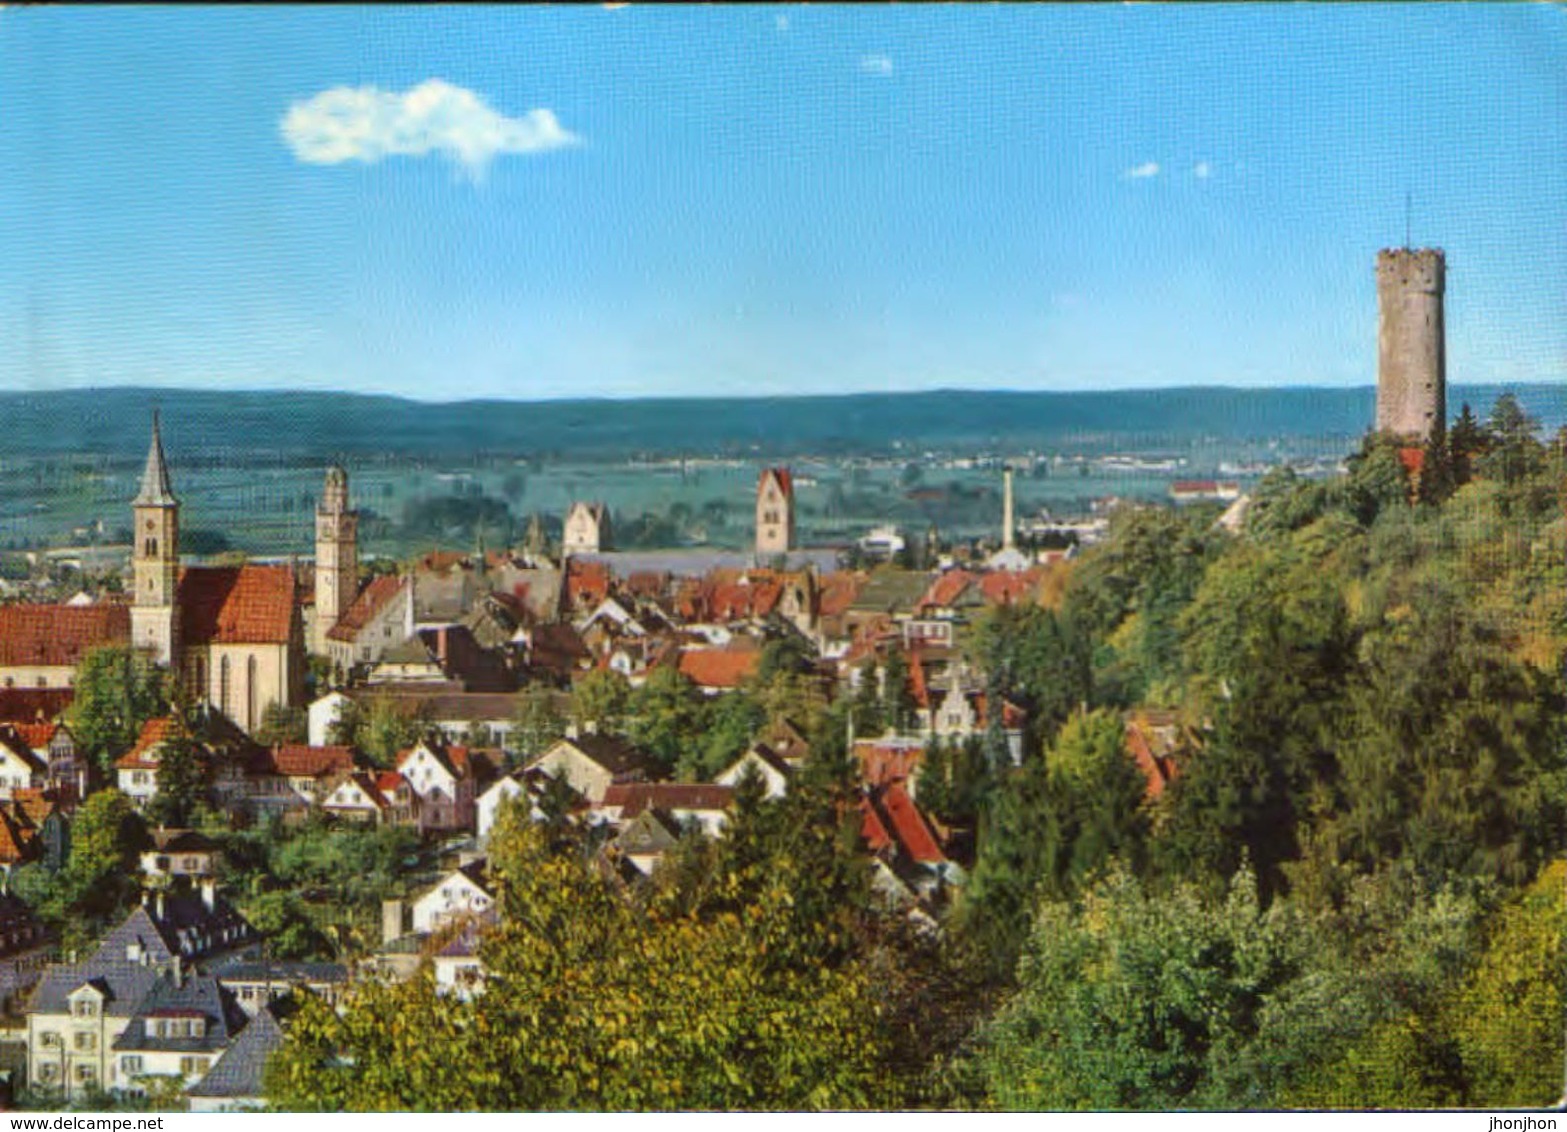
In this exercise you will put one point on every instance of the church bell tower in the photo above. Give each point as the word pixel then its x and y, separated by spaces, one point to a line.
pixel 337 556
pixel 155 558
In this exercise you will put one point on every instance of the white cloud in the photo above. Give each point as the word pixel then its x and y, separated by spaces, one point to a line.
pixel 781 23
pixel 1202 170
pixel 1146 169
pixel 876 65
pixel 367 124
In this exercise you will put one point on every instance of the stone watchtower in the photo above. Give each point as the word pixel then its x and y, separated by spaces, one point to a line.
pixel 155 558
pixel 337 555
pixel 774 513
pixel 1411 342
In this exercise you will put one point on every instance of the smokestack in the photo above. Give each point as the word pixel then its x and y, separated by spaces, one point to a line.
pixel 209 893
pixel 1006 513
pixel 160 905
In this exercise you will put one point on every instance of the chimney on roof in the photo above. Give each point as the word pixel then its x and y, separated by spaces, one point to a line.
pixel 391 920
pixel 179 971
pixel 209 893
pixel 160 904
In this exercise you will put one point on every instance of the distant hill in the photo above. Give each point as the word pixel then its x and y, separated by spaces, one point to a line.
pixel 113 422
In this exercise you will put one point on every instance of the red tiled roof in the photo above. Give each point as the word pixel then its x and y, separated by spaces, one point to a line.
pixel 873 831
pixel 1188 487
pixel 371 600
pixel 718 668
pixel 634 797
pixel 909 826
pixel 153 734
pixel 35 735
pixel 946 589
pixel 16 840
pixel 236 605
pixel 367 787
pixel 439 561
pixel 295 760
pixel 1002 587
pixel 784 478
pixel 18 744
pixel 388 782
pixel 586 582
pixel 58 636
pixel 838 591
pixel 1158 770
pixel 35 805
pixel 34 703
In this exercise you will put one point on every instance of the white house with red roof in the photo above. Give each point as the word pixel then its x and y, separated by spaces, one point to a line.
pixel 379 619
pixel 447 781
pixel 20 766
pixel 136 771
pixel 464 893
pixel 355 796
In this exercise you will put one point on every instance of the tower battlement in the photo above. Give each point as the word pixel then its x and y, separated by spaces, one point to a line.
pixel 1413 269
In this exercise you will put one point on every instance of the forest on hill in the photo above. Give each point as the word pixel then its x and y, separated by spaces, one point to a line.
pixel 229 426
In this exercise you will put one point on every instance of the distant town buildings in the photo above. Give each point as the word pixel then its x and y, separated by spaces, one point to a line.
pixel 774 513
pixel 586 530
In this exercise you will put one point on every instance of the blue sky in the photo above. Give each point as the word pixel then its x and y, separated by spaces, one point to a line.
pixel 446 203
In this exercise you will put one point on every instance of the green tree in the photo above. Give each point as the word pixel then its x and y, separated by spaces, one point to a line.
pixel 594 1002
pixel 600 699
pixel 536 725
pixel 1138 1000
pixel 661 715
pixel 117 690
pixel 282 724
pixel 181 776
pixel 1514 452
pixel 1466 442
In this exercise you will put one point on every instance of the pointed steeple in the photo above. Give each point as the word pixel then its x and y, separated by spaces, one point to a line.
pixel 155 490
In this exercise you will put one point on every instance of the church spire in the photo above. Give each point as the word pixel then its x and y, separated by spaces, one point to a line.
pixel 155 490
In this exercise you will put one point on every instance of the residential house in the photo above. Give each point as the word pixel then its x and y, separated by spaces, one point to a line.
pixel 257 984
pixel 292 776
pixel 645 839
pixel 683 805
pixel 181 1026
pixel 889 759
pixel 459 972
pixel 355 796
pixel 591 763
pixel 465 893
pixel 715 671
pixel 137 770
pixel 21 768
pixel 181 853
pixel 55 744
pixel 759 759
pixel 448 780
pixel 80 1011
pixel 380 617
